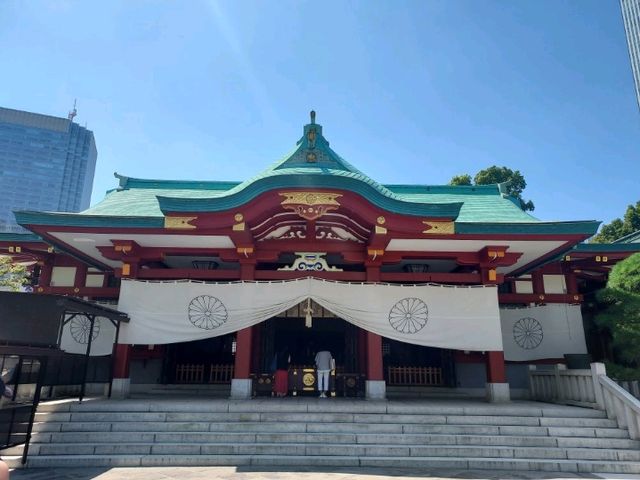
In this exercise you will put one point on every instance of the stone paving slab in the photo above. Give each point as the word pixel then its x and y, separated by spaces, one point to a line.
pixel 280 473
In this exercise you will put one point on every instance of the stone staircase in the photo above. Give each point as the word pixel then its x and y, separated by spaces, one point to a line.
pixel 330 433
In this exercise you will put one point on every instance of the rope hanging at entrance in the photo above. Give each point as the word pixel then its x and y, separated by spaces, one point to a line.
pixel 308 311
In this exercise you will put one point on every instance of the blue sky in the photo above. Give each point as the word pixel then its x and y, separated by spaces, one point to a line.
pixel 408 92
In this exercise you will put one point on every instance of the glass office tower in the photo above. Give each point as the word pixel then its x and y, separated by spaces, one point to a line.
pixel 631 18
pixel 46 163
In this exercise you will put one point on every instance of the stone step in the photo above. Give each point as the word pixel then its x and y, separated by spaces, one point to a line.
pixel 425 463
pixel 347 449
pixel 98 430
pixel 216 417
pixel 277 427
pixel 331 437
pixel 323 406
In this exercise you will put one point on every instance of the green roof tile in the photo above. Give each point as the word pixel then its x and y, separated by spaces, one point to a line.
pixel 141 202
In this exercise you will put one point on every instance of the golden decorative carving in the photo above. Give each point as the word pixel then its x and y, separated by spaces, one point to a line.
pixel 308 379
pixel 310 205
pixel 126 269
pixel 311 136
pixel 244 250
pixel 239 227
pixel 238 217
pixel 179 223
pixel 311 157
pixel 492 275
pixel 439 228
pixel 381 220
pixel 50 249
pixel 381 230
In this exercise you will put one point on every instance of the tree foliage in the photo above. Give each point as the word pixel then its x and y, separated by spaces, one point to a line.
pixel 619 305
pixel 620 227
pixel 514 182
pixel 461 180
pixel 12 275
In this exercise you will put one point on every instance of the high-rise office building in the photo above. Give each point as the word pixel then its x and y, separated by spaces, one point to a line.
pixel 631 18
pixel 46 163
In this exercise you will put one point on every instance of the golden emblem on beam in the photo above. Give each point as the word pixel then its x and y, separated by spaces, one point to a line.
pixel 439 228
pixel 179 223
pixel 310 205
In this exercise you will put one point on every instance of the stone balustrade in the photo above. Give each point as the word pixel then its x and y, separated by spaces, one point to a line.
pixel 587 388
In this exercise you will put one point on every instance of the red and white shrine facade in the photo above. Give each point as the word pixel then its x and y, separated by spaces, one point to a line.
pixel 407 285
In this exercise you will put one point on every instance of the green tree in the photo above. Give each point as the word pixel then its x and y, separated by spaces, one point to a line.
pixel 619 305
pixel 629 223
pixel 12 275
pixel 514 182
pixel 461 180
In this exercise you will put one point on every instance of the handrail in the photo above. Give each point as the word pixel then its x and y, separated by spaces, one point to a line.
pixel 621 405
pixel 588 388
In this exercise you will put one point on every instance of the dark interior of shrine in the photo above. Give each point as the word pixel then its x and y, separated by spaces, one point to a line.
pixel 302 343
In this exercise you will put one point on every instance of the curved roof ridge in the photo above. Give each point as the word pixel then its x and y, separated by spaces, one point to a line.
pixel 132 182
pixel 490 189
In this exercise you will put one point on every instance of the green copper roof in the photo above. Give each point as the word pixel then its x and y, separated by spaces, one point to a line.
pixel 608 247
pixel 19 237
pixel 631 238
pixel 311 164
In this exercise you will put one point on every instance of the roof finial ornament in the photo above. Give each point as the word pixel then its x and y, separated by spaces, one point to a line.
pixel 313 116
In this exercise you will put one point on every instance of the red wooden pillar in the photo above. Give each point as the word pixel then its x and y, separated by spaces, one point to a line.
pixel 46 270
pixel 375 385
pixel 121 360
pixel 496 372
pixel 497 385
pixel 241 383
pixel 80 280
pixel 374 357
pixel 572 283
pixel 242 367
pixel 537 281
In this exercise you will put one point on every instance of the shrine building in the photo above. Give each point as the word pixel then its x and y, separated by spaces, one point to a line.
pixel 409 286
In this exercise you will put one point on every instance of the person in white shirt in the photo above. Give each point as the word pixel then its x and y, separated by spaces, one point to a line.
pixel 324 364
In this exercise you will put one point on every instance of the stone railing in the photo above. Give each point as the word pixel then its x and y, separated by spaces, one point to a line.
pixel 631 386
pixel 559 385
pixel 587 388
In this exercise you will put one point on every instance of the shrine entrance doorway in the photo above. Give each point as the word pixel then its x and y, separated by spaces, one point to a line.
pixel 302 339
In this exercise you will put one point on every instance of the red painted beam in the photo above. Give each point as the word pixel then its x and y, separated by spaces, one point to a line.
pixel 541 298
pixel 409 277
pixel 107 292
pixel 289 275
pixel 180 273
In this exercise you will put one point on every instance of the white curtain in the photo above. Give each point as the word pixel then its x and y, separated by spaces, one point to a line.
pixel 75 335
pixel 542 332
pixel 464 318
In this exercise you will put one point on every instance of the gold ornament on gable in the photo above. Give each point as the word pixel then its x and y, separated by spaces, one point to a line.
pixel 179 223
pixel 439 228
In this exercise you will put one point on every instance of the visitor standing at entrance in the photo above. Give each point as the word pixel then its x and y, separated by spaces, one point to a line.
pixel 324 364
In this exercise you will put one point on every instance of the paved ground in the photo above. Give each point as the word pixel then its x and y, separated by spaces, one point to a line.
pixel 247 473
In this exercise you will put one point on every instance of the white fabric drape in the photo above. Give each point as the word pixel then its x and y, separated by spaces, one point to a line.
pixel 75 336
pixel 542 332
pixel 464 318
